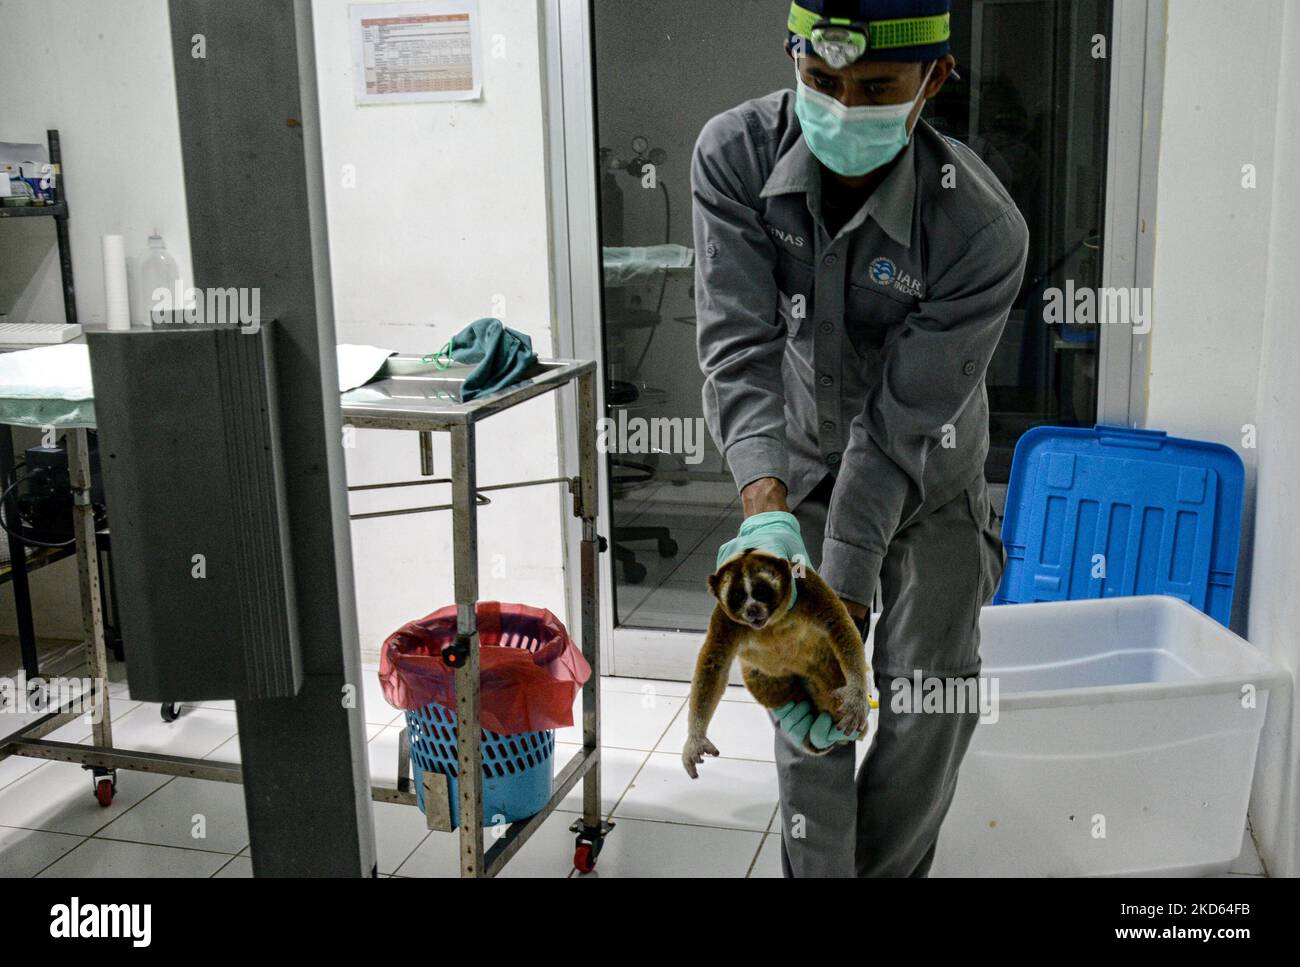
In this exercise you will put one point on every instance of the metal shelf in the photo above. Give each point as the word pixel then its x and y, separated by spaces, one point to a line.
pixel 41 557
pixel 57 210
pixel 18 570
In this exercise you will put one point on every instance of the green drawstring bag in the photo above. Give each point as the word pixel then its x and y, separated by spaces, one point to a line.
pixel 500 357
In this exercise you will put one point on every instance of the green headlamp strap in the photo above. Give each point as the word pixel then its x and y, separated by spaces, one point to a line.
pixel 441 359
pixel 881 34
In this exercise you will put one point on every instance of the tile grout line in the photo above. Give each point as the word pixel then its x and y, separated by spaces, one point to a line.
pixel 60 858
pixel 628 748
pixel 632 781
pixel 99 829
pixel 762 841
pixel 188 849
pixel 1250 837
pixel 215 873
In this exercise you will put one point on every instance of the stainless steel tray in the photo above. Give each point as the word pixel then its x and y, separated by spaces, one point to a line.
pixel 410 394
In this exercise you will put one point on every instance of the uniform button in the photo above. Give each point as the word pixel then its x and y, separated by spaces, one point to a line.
pixel 711 250
pixel 830 260
pixel 832 458
pixel 827 327
pixel 827 381
pixel 968 367
pixel 828 424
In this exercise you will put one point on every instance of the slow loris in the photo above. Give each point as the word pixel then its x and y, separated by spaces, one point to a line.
pixel 809 651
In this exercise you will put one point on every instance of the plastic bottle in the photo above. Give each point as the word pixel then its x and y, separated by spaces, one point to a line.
pixel 158 270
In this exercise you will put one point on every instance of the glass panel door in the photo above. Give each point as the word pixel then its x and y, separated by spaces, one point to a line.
pixel 1031 101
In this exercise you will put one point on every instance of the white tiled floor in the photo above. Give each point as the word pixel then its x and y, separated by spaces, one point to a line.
pixel 723 824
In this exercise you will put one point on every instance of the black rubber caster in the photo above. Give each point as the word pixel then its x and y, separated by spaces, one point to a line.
pixel 171 711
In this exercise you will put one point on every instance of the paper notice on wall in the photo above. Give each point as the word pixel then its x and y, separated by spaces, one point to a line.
pixel 423 51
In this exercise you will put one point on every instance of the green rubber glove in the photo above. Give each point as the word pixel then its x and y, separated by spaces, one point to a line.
pixel 775 531
pixel 797 721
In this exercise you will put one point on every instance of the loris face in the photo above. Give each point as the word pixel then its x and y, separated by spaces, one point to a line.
pixel 753 587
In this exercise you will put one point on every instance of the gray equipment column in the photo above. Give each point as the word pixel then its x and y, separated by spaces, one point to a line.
pixel 250 132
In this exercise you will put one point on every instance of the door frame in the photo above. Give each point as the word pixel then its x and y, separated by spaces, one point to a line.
pixel 574 216
pixel 1136 53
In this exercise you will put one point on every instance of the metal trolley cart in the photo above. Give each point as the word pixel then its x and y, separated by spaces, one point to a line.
pixel 409 394
pixel 413 398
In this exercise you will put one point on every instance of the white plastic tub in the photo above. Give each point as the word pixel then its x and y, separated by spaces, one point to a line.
pixel 1128 716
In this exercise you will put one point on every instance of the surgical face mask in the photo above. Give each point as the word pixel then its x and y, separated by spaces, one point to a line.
pixel 853 141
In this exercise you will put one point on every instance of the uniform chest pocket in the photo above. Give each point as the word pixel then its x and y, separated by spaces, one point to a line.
pixel 794 282
pixel 870 315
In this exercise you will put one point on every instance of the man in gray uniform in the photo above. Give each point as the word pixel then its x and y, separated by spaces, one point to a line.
pixel 855 271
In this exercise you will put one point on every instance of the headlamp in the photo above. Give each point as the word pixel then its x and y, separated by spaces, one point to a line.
pixel 840 44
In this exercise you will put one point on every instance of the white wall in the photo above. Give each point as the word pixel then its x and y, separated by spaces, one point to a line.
pixel 1274 604
pixel 1212 234
pixel 1225 259
pixel 104 79
pixel 447 223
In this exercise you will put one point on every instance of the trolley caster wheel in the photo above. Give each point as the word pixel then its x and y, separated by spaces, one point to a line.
pixel 667 547
pixel 634 573
pixel 171 711
pixel 105 786
pixel 587 845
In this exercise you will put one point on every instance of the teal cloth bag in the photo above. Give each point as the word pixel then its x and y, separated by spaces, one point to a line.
pixel 500 357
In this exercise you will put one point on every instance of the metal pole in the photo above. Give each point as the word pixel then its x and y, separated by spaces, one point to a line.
pixel 92 615
pixel 426 453
pixel 61 228
pixel 587 451
pixel 18 561
pixel 469 753
pixel 246 89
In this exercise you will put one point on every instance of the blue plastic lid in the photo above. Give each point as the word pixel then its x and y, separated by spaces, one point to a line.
pixel 1112 511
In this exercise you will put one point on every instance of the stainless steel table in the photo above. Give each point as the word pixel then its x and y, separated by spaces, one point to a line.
pixel 408 394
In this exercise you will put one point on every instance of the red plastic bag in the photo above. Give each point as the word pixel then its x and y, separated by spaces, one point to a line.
pixel 530 670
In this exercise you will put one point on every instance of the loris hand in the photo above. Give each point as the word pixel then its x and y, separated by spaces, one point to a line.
pixel 694 751
pixel 852 707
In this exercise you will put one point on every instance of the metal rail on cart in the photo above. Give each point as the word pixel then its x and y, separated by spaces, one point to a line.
pixel 410 394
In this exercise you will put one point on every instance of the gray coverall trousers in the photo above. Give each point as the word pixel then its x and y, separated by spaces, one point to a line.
pixel 938 572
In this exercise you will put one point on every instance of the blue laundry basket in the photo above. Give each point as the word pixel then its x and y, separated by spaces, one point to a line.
pixel 517 769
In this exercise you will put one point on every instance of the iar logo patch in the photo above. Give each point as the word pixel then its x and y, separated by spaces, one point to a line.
pixel 884 272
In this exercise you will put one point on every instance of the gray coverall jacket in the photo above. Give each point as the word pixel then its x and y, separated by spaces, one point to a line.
pixel 864 354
